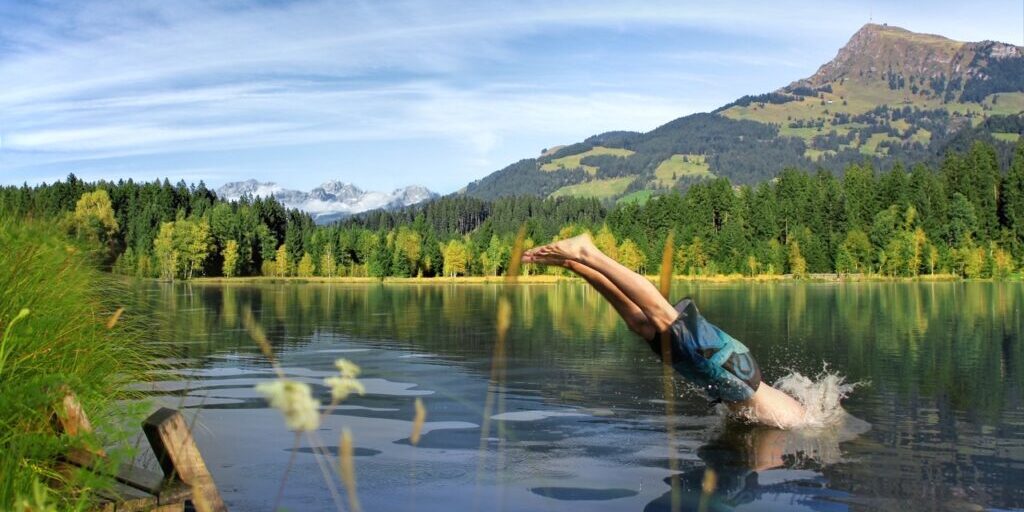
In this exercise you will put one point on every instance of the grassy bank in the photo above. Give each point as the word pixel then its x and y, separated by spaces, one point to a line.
pixel 547 279
pixel 55 308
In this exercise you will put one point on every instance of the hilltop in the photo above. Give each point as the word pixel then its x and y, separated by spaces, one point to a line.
pixel 889 95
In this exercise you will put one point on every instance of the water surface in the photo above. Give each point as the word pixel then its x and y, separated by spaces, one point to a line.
pixel 573 415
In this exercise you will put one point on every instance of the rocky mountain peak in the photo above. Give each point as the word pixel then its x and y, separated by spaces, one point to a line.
pixel 330 201
pixel 876 51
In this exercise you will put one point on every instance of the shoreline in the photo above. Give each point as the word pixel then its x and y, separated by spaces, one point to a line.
pixel 551 279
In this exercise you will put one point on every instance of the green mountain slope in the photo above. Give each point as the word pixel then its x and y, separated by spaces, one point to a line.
pixel 889 95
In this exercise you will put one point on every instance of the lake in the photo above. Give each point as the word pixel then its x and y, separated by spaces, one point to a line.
pixel 570 411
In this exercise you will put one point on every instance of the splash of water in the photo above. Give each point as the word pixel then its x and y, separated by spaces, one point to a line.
pixel 814 439
pixel 820 396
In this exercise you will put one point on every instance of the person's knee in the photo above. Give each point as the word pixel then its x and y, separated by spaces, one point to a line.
pixel 639 324
pixel 662 318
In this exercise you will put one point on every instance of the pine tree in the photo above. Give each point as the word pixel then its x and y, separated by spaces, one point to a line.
pixel 1012 204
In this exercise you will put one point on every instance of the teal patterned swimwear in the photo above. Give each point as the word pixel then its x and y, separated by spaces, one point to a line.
pixel 708 357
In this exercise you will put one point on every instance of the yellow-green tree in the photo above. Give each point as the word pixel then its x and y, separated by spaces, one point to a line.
pixel 631 256
pixel 328 268
pixel 306 268
pixel 282 267
pixel 931 257
pixel 529 268
pixel 165 252
pixel 408 245
pixel 752 265
pixel 797 263
pixel 230 255
pixel 193 242
pixel 696 260
pixel 456 258
pixel 495 257
pixel 93 220
pixel 1001 261
pixel 605 242
pixel 854 253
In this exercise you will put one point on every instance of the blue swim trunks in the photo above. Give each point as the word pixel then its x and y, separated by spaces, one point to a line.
pixel 708 357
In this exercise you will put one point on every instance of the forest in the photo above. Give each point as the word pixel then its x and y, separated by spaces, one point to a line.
pixel 964 217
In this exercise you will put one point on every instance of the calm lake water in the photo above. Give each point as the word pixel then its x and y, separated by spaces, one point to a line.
pixel 571 412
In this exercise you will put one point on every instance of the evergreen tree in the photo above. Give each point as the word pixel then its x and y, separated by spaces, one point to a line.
pixel 1012 207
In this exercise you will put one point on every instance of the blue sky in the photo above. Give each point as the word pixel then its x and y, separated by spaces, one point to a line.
pixel 385 94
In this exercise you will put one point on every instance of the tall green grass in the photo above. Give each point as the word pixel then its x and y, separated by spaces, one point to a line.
pixel 60 339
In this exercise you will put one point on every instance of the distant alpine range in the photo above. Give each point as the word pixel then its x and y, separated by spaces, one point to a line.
pixel 332 200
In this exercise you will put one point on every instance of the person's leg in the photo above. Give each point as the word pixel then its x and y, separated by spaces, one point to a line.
pixel 659 312
pixel 627 309
pixel 771 407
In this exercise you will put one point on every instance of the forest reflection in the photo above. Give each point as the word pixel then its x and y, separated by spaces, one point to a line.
pixel 912 339
pixel 940 362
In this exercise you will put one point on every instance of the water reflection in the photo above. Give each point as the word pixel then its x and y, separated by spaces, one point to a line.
pixel 582 420
pixel 746 464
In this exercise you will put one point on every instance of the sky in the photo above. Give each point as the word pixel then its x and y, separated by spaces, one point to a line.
pixel 385 94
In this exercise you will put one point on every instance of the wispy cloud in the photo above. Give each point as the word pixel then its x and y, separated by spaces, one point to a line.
pixel 124 83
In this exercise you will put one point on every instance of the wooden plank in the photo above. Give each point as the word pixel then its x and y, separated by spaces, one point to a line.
pixel 174 492
pixel 179 457
pixel 69 418
pixel 175 507
pixel 140 478
pixel 127 499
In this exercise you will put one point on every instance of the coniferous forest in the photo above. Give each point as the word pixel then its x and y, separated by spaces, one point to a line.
pixel 965 217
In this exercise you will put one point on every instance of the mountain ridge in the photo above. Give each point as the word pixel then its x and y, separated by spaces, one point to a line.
pixel 889 95
pixel 331 200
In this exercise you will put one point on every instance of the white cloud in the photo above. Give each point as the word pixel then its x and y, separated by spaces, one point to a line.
pixel 98 81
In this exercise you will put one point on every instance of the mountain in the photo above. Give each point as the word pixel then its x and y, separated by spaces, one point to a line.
pixel 889 95
pixel 330 201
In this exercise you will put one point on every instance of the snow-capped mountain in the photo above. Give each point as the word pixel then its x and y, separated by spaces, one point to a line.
pixel 330 201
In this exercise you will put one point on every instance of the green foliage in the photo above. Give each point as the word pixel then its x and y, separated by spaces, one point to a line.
pixel 53 332
pixel 305 267
pixel 181 247
pixel 282 262
pixel 93 222
pixel 230 256
pixel 630 256
pixel 456 258
pixel 894 222
pixel 797 263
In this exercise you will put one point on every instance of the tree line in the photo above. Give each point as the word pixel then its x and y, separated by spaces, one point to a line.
pixel 964 217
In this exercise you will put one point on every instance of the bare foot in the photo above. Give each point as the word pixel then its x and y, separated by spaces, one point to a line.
pixel 557 253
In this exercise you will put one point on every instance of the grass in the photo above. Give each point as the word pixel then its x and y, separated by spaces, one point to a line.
pixel 573 161
pixel 816 154
pixel 61 338
pixel 601 189
pixel 639 197
pixel 1006 137
pixel 1005 103
pixel 677 166
pixel 870 146
pixel 860 97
